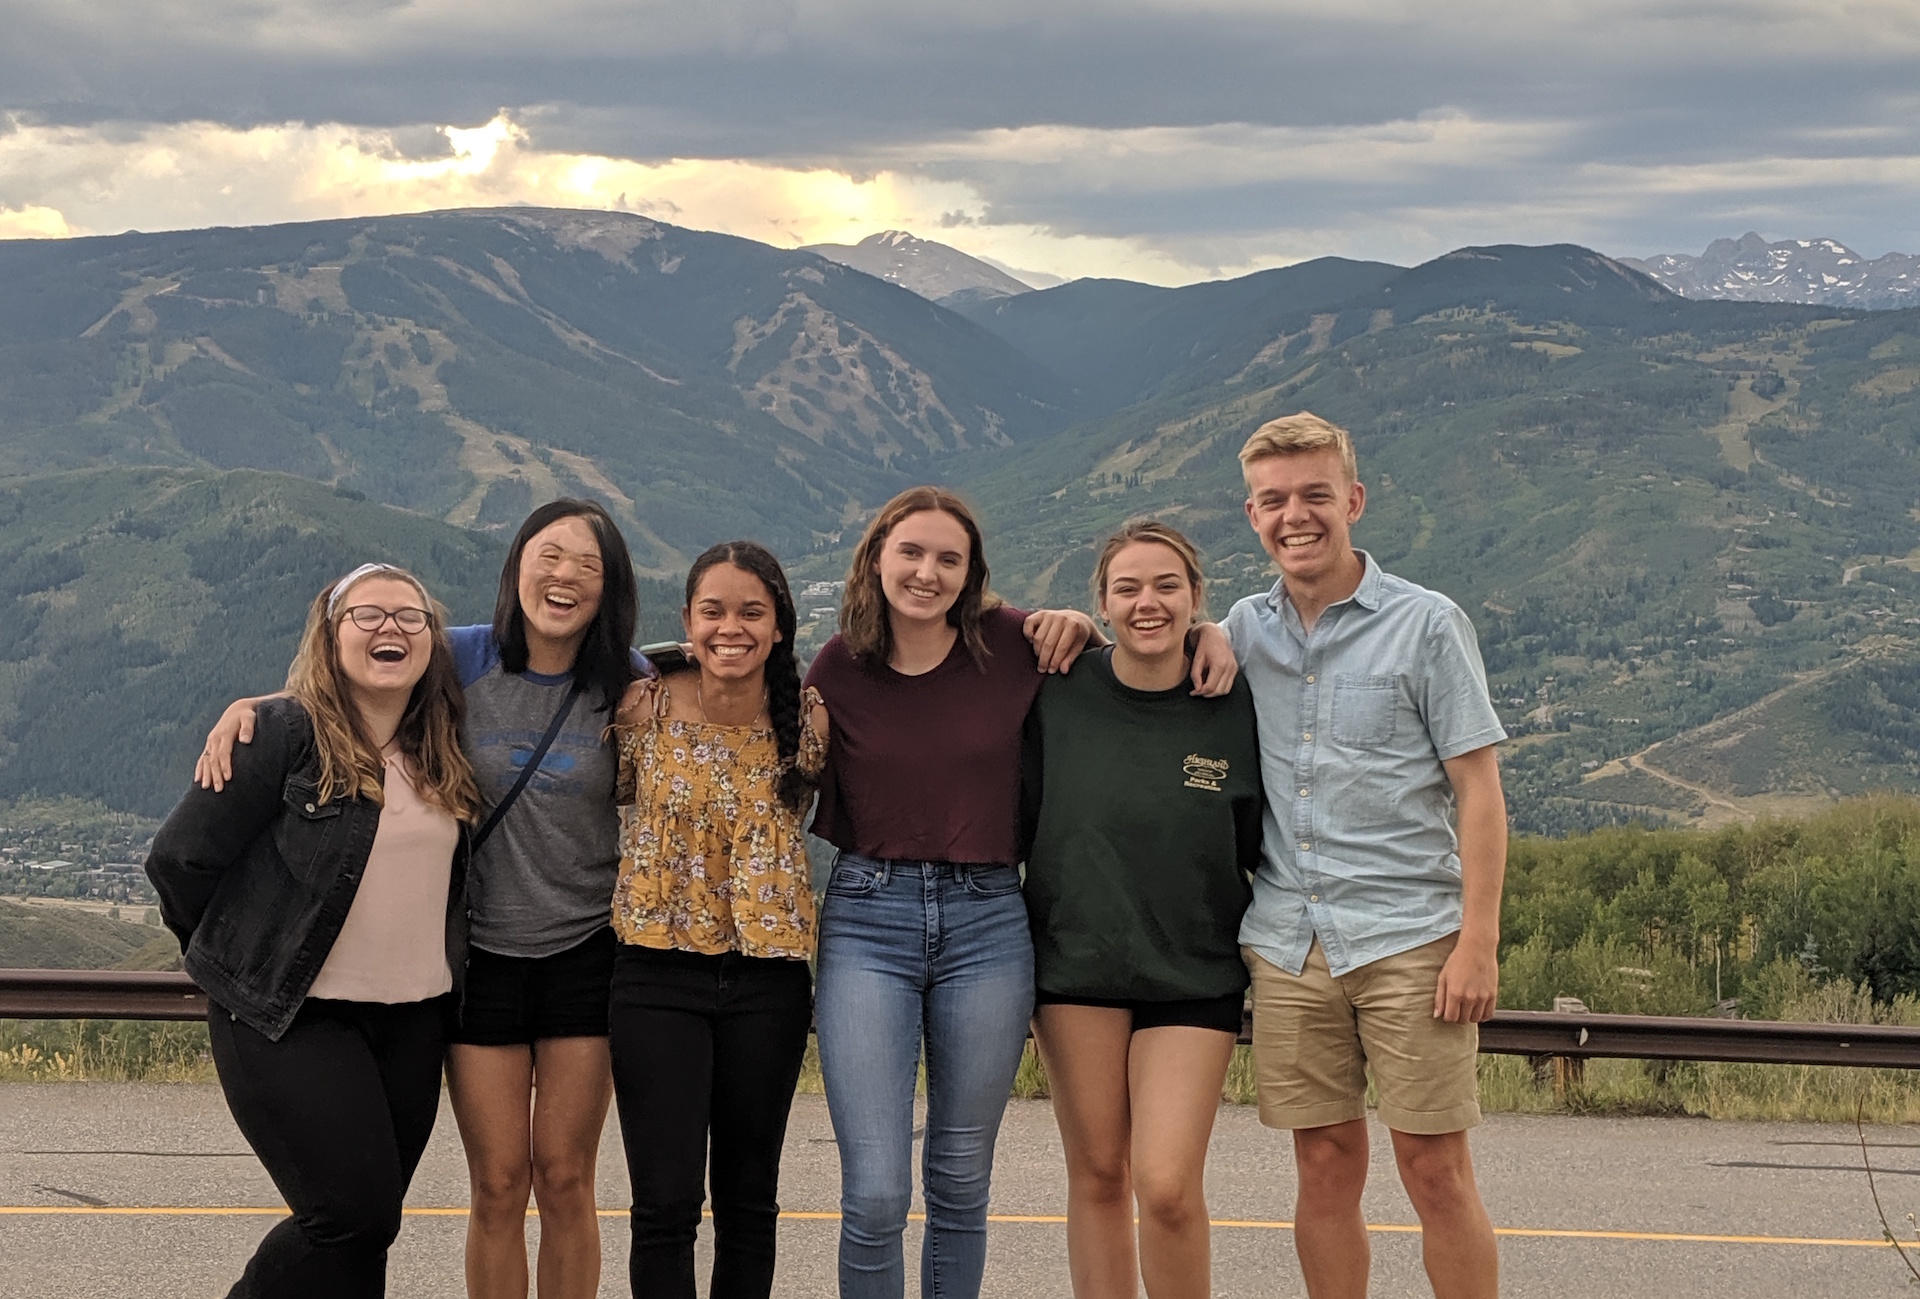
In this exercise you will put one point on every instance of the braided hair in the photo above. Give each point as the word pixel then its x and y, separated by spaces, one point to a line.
pixel 794 787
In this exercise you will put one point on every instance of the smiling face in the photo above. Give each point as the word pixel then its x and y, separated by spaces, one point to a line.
pixel 386 660
pixel 560 583
pixel 923 565
pixel 1303 507
pixel 1149 598
pixel 731 623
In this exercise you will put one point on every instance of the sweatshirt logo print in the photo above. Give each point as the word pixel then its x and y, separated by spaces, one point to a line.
pixel 1204 773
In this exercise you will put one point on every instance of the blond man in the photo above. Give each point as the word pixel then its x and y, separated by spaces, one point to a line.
pixel 1373 932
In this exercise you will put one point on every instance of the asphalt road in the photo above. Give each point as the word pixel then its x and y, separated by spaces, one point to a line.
pixel 115 1190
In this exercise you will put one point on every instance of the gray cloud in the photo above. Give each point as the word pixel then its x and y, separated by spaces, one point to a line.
pixel 1625 123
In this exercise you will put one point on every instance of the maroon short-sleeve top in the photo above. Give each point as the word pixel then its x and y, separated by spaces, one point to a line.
pixel 927 768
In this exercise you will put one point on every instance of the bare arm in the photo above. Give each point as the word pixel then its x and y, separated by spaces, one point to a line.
pixel 815 730
pixel 1214 664
pixel 1469 986
pixel 1058 636
pixel 214 767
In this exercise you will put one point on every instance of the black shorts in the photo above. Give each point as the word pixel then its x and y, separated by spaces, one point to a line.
pixel 1221 1013
pixel 515 1000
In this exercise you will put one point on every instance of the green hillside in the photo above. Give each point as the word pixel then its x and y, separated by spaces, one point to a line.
pixel 1686 530
pixel 66 938
pixel 1659 514
pixel 466 364
pixel 1118 342
pixel 135 602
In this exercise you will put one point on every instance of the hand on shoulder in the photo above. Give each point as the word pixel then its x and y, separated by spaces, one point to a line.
pixel 214 767
pixel 1058 636
pixel 637 704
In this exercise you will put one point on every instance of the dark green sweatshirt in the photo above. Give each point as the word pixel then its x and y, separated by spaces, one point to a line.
pixel 1142 810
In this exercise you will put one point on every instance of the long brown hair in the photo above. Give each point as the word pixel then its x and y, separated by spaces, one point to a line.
pixel 429 734
pixel 864 625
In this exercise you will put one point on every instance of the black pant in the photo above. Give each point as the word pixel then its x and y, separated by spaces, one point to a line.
pixel 339 1110
pixel 705 1046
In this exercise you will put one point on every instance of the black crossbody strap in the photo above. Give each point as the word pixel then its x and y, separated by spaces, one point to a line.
pixel 533 764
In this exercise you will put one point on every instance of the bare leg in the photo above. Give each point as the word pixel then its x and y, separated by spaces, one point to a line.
pixel 1457 1243
pixel 492 1092
pixel 573 1084
pixel 1174 1078
pixel 1329 1231
pixel 1085 1051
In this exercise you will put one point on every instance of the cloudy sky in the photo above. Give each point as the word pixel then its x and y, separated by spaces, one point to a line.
pixel 1166 140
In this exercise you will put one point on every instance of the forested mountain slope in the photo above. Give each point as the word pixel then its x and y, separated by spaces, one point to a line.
pixel 1118 342
pixel 1658 512
pixel 466 364
pixel 1686 530
pixel 135 602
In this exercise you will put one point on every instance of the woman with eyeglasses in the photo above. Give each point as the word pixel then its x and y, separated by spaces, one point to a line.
pixel 319 900
pixel 528 1068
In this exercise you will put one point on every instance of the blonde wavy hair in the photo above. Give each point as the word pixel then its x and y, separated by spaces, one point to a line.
pixel 429 734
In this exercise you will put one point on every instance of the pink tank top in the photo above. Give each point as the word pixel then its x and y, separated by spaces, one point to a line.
pixel 393 946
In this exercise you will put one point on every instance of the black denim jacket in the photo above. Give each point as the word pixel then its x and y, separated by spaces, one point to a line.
pixel 255 881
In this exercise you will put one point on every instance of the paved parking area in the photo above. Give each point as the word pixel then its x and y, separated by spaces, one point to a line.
pixel 113 1190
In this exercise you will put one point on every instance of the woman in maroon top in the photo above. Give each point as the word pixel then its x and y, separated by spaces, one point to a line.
pixel 923 936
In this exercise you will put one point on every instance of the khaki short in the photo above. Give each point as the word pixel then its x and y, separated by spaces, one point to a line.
pixel 1315 1038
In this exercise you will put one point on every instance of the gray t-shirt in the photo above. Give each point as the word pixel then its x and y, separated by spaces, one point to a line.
pixel 543 881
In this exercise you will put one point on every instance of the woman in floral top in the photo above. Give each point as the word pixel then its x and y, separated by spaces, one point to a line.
pixel 714 909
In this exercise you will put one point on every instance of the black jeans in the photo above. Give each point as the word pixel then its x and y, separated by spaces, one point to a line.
pixel 339 1110
pixel 705 1047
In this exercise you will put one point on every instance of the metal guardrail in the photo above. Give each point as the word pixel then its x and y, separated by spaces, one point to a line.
pixel 1733 1041
pixel 99 994
pixel 117 994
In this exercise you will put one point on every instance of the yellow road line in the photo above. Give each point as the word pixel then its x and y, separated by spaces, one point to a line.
pixel 1016 1219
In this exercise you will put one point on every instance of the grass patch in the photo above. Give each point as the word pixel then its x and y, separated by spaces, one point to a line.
pixel 1766 1092
pixel 103 1050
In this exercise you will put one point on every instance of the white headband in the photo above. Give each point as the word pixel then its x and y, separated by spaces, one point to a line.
pixel 341 587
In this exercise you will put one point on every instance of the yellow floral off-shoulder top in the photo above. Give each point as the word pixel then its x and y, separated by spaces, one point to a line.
pixel 710 859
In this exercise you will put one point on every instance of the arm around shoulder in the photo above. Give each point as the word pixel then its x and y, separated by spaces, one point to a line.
pixel 815 732
pixel 209 830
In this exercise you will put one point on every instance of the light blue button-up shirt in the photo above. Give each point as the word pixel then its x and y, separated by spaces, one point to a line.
pixel 1356 717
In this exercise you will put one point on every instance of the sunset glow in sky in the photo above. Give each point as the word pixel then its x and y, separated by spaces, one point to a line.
pixel 1141 138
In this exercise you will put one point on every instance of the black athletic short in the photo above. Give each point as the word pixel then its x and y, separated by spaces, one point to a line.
pixel 515 1000
pixel 1221 1013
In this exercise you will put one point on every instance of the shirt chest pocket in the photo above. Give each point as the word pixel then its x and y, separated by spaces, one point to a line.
pixel 1364 709
pixel 306 833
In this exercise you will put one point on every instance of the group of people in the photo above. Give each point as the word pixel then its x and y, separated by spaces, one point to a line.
pixel 574 877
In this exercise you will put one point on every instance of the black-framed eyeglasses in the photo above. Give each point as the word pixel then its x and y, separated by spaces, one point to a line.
pixel 371 617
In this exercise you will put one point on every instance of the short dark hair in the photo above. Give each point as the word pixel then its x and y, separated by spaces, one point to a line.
pixel 604 663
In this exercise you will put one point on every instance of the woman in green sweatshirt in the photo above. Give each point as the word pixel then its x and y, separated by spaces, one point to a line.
pixel 1143 806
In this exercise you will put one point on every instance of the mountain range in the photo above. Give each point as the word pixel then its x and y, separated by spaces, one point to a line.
pixel 932 270
pixel 1685 529
pixel 1824 271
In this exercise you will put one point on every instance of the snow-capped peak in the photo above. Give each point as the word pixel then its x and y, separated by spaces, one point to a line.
pixel 1823 271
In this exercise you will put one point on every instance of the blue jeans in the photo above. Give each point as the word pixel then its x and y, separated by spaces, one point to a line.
pixel 908 950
